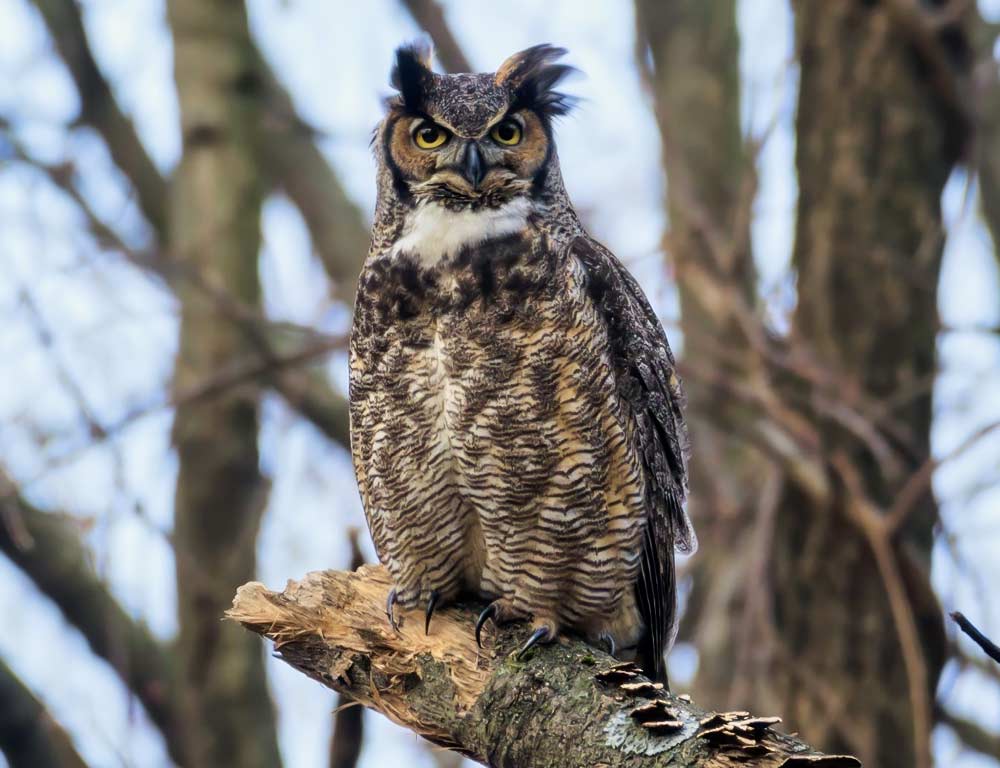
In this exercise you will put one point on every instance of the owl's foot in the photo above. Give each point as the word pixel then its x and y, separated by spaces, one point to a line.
pixel 545 632
pixel 390 605
pixel 432 602
pixel 501 611
pixel 608 641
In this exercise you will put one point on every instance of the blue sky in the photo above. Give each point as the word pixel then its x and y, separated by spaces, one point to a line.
pixel 115 330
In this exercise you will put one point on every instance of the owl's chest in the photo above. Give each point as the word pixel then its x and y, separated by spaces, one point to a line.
pixel 466 299
pixel 442 351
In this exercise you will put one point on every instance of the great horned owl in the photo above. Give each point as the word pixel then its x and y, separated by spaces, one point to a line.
pixel 516 417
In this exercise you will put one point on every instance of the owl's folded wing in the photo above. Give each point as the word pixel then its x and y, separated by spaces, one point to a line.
pixel 647 381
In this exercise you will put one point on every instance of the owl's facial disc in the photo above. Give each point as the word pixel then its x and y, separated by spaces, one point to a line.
pixel 482 165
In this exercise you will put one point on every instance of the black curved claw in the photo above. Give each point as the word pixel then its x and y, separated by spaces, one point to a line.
pixel 609 641
pixel 431 603
pixel 542 633
pixel 390 603
pixel 489 612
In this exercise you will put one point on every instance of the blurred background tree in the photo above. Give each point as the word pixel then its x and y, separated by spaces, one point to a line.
pixel 806 190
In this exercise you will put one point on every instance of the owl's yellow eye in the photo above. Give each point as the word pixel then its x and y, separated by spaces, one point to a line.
pixel 508 133
pixel 430 136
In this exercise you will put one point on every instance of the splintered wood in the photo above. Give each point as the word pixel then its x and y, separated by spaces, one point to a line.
pixel 344 611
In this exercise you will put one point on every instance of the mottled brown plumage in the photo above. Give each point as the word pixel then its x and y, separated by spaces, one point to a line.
pixel 515 412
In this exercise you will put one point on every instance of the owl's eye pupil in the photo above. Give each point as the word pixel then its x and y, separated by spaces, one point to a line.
pixel 429 134
pixel 506 132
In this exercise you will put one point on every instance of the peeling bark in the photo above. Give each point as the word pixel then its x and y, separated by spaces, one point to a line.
pixel 564 705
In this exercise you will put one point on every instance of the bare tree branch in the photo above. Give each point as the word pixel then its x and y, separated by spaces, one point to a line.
pixel 989 647
pixel 100 111
pixel 287 150
pixel 972 735
pixel 29 737
pixel 430 18
pixel 48 550
pixel 565 705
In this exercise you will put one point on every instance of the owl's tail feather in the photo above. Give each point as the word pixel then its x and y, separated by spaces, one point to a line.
pixel 656 593
pixel 647 659
pixel 651 656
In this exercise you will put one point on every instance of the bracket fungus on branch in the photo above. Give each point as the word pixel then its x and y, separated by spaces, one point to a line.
pixel 566 704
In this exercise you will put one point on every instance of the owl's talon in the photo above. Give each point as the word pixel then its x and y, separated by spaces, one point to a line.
pixel 390 603
pixel 607 639
pixel 489 612
pixel 431 604
pixel 540 635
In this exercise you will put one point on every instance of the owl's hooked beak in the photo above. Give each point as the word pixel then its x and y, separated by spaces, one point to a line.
pixel 472 167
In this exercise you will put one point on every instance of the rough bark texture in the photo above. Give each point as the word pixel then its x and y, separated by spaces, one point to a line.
pixel 47 548
pixel 29 737
pixel 564 705
pixel 215 228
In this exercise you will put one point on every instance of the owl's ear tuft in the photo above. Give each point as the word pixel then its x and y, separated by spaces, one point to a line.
pixel 412 72
pixel 532 76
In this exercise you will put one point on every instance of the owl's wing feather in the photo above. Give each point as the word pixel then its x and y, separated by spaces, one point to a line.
pixel 647 380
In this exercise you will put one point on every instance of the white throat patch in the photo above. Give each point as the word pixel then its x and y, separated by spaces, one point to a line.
pixel 434 233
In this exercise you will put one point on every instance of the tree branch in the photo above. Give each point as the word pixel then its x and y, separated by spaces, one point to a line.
pixel 989 647
pixel 48 550
pixel 430 18
pixel 29 737
pixel 972 735
pixel 565 705
pixel 987 142
pixel 288 152
pixel 100 111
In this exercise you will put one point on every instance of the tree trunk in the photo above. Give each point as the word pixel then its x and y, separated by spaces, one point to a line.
pixel 874 151
pixel 566 705
pixel 791 599
pixel 695 83
pixel 215 232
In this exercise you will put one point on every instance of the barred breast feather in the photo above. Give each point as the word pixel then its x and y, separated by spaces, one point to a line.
pixel 516 433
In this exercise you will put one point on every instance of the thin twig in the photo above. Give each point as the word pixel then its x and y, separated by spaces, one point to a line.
pixel 989 647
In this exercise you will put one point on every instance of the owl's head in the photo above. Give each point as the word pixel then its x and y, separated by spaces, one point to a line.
pixel 472 140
